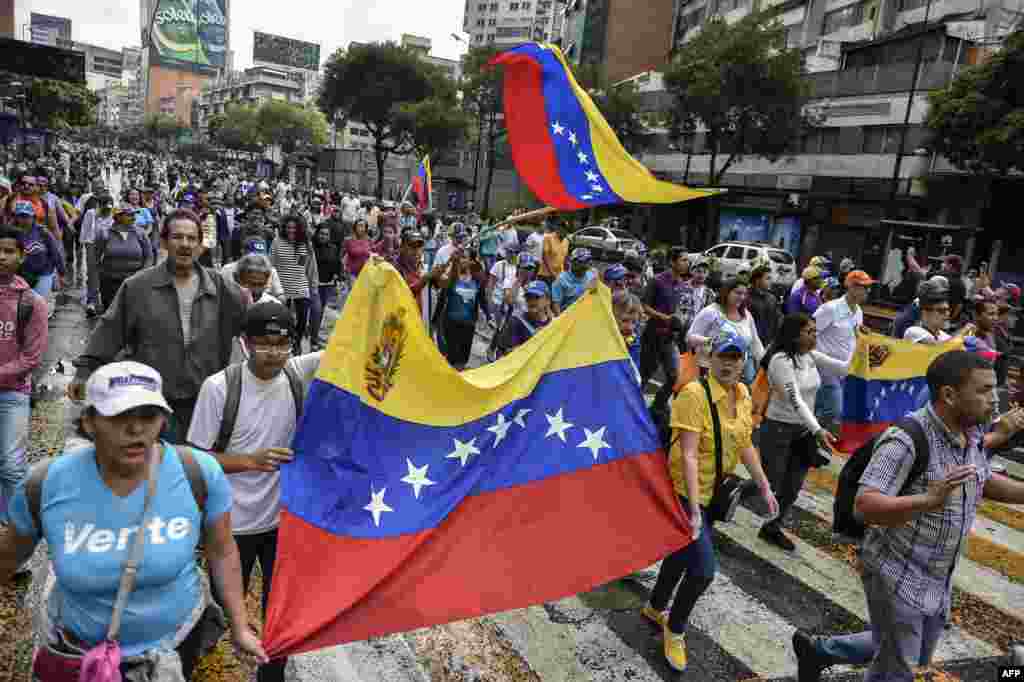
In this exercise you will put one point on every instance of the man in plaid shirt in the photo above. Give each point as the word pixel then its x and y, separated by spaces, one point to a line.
pixel 914 539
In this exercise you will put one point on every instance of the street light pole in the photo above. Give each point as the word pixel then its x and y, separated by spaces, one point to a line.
pixel 910 104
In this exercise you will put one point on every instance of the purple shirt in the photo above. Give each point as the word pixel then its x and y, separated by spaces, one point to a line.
pixel 803 301
pixel 663 294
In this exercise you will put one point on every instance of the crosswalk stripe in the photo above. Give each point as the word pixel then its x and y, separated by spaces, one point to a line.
pixel 387 659
pixel 979 581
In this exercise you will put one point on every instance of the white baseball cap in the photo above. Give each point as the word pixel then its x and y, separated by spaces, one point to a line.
pixel 122 386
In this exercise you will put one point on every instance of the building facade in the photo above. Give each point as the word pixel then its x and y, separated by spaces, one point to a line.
pixel 103 66
pixel 861 184
pixel 505 23
pixel 255 85
pixel 50 30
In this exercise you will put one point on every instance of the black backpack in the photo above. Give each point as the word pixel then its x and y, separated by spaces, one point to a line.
pixel 233 374
pixel 844 523
pixel 24 316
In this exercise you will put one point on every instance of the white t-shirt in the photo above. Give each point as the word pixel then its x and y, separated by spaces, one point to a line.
pixel 266 419
pixel 795 387
pixel 444 254
pixel 837 331
pixel 349 209
pixel 535 245
pixel 504 274
pixel 507 237
pixel 922 335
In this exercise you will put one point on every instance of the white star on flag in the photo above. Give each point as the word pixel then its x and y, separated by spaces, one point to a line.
pixel 592 176
pixel 583 158
pixel 557 425
pixel 595 441
pixel 500 429
pixel 587 197
pixel 417 477
pixel 557 128
pixel 521 415
pixel 572 138
pixel 377 506
pixel 463 451
pixel 597 188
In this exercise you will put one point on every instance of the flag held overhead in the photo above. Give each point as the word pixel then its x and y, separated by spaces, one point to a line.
pixel 420 495
pixel 561 144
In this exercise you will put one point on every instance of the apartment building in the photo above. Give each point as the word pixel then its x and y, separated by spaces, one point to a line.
pixel 849 186
pixel 505 23
pixel 255 85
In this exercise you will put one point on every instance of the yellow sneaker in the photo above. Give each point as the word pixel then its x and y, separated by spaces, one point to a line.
pixel 675 649
pixel 659 618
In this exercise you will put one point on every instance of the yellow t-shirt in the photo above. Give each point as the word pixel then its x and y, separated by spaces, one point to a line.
pixel 554 251
pixel 690 412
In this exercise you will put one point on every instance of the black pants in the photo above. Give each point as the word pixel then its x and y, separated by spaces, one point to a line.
pixel 108 290
pixel 458 342
pixel 261 547
pixel 658 351
pixel 178 423
pixel 784 466
pixel 300 306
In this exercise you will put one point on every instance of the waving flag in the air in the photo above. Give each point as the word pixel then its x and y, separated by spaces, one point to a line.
pixel 886 382
pixel 420 495
pixel 423 187
pixel 561 144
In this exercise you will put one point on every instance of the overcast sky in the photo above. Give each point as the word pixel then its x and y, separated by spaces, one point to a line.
pixel 332 23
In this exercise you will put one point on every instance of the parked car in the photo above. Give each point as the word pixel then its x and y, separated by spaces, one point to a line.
pixel 734 257
pixel 605 243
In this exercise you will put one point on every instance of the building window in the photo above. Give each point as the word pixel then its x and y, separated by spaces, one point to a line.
pixel 513 6
pixel 881 139
pixel 480 22
pixel 821 141
pixel 526 5
pixel 723 6
pixel 689 21
pixel 850 15
pixel 482 7
pixel 907 5
pixel 490 37
pixel 492 22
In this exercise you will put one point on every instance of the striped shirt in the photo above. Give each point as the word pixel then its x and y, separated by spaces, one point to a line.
pixel 286 257
pixel 916 560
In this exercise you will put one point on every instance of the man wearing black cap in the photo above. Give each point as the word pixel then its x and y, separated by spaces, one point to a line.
pixel 251 441
pixel 410 262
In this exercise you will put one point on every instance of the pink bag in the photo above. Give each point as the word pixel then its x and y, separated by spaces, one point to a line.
pixel 102 663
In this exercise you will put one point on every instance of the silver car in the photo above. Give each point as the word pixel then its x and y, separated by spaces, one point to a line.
pixel 605 243
pixel 734 257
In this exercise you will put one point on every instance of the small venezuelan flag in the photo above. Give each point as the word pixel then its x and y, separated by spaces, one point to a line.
pixel 886 382
pixel 423 186
pixel 561 144
pixel 419 495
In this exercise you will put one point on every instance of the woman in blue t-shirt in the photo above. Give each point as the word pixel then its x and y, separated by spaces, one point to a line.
pixel 88 505
pixel 463 300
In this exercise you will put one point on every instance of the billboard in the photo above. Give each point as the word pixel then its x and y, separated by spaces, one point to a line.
pixel 190 34
pixel 298 54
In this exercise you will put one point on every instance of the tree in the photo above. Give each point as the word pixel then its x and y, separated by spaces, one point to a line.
pixel 370 84
pixel 290 125
pixel 162 127
pixel 619 104
pixel 978 121
pixel 742 86
pixel 237 129
pixel 433 125
pixel 59 105
pixel 483 97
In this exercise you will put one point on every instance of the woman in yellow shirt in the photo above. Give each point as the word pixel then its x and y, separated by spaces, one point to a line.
pixel 692 466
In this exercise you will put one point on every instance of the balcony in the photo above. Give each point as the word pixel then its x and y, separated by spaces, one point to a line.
pixel 878 79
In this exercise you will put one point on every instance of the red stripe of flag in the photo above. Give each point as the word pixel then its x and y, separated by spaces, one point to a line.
pixel 475 562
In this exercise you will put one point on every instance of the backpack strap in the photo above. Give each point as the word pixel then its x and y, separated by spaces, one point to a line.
pixel 922 451
pixel 233 376
pixel 298 390
pixel 194 474
pixel 34 491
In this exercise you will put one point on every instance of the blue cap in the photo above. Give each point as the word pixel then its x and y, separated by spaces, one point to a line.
pixel 527 260
pixel 459 231
pixel 615 273
pixel 256 245
pixel 24 208
pixel 143 217
pixel 729 341
pixel 580 256
pixel 536 289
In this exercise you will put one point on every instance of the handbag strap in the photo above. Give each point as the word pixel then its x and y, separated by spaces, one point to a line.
pixel 716 425
pixel 131 567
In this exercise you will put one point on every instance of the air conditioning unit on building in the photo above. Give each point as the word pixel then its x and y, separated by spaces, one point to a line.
pixel 829 49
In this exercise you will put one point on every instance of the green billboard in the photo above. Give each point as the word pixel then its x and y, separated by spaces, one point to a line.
pixel 191 34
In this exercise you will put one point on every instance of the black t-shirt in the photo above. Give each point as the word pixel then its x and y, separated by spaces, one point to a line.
pixel 957 290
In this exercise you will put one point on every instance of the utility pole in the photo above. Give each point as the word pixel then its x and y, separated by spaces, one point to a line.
pixel 910 103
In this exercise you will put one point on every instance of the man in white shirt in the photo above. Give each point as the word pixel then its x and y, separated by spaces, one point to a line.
pixel 535 245
pixel 349 211
pixel 508 240
pixel 253 443
pixel 838 322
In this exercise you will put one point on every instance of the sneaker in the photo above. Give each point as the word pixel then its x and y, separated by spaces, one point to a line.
pixel 675 649
pixel 773 534
pixel 810 663
pixel 659 618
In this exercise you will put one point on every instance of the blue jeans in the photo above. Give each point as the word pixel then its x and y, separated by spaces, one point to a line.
pixel 14 421
pixel 828 406
pixel 44 285
pixel 699 562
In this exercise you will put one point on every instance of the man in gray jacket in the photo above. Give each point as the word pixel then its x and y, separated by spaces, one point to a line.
pixel 177 317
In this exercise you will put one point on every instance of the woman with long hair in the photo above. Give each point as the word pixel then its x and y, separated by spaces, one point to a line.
pixel 729 312
pixel 464 292
pixel 790 434
pixel 292 256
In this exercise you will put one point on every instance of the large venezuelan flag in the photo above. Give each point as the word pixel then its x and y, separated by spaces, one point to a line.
pixel 561 144
pixel 420 496
pixel 886 382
